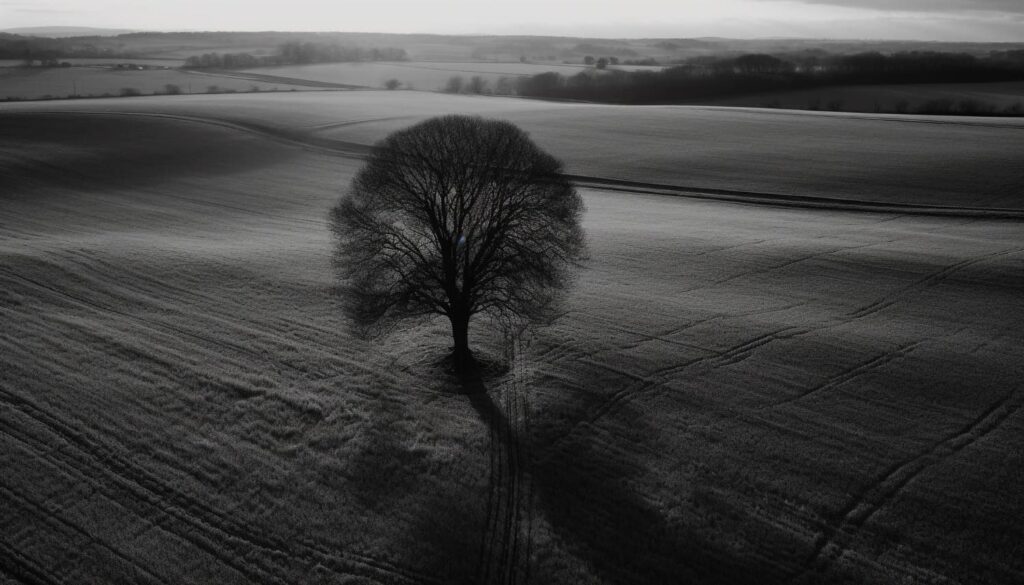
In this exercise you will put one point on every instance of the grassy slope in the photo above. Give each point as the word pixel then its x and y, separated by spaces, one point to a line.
pixel 918 160
pixel 738 393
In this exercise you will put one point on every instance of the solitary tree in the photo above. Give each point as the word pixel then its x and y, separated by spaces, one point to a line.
pixel 456 216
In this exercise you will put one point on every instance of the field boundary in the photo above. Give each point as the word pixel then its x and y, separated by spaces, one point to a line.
pixel 797 201
pixel 360 151
pixel 234 74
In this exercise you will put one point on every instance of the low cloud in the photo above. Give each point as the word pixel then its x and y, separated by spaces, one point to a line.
pixel 1009 6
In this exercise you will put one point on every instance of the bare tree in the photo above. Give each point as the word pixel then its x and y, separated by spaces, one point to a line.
pixel 455 84
pixel 457 216
pixel 476 85
pixel 504 86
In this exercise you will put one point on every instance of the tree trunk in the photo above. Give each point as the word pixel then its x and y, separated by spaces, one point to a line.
pixel 460 332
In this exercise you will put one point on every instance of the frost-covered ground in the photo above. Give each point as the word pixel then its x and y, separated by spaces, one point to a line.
pixel 736 394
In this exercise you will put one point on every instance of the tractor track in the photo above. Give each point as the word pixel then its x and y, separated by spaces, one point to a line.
pixel 55 519
pixel 836 537
pixel 507 545
pixel 658 379
pixel 198 522
pixel 927 282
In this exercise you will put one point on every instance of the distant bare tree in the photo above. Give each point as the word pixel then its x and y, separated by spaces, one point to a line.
pixel 392 84
pixel 454 85
pixel 456 216
pixel 504 86
pixel 477 85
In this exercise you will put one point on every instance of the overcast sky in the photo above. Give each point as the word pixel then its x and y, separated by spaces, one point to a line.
pixel 966 20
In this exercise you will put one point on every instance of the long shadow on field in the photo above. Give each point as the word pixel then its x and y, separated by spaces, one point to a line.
pixel 417 516
pixel 589 488
pixel 380 474
pixel 447 533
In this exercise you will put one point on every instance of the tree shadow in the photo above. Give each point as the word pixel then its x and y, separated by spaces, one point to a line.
pixel 588 488
pixel 474 377
pixel 378 472
pixel 422 521
pixel 447 533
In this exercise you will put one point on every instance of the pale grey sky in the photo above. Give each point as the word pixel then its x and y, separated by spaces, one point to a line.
pixel 967 20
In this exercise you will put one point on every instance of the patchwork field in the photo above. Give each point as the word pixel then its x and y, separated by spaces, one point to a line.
pixel 61 82
pixel 792 391
pixel 421 75
pixel 799 157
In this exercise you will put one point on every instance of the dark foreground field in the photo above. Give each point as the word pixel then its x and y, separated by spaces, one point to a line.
pixel 737 393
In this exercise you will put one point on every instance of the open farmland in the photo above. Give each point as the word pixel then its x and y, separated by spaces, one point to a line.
pixel 421 75
pixel 86 61
pixel 792 391
pixel 795 157
pixel 60 82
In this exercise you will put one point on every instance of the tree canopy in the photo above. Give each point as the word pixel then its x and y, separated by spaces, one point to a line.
pixel 456 216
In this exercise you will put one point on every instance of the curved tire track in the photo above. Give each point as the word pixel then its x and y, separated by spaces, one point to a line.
pixel 56 519
pixel 741 351
pixel 927 282
pixel 659 378
pixel 835 538
pixel 854 372
pixel 204 526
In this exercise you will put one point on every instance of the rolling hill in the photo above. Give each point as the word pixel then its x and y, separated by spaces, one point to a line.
pixel 793 356
pixel 881 159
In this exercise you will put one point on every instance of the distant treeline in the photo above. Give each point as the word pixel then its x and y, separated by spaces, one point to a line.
pixel 287 48
pixel 711 77
pixel 32 49
pixel 296 53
